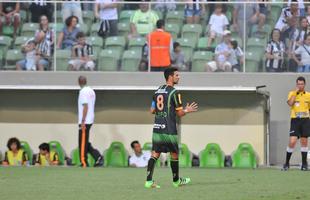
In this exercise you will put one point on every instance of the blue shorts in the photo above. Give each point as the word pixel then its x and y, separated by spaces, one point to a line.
pixel 192 12
pixel 42 61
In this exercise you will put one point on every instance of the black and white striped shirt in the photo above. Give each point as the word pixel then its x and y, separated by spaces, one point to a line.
pixel 45 47
pixel 194 4
pixel 85 50
pixel 276 49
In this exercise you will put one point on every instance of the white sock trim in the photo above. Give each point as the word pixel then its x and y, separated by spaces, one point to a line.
pixel 304 149
pixel 289 150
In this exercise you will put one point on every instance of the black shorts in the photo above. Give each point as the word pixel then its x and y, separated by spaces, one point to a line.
pixel 164 143
pixel 300 127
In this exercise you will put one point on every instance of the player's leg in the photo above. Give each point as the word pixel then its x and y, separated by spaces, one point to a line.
pixel 150 170
pixel 174 163
pixel 289 151
pixel 304 152
pixel 83 145
pixel 95 153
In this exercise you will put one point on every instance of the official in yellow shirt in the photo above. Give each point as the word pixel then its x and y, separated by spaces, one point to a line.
pixel 299 102
pixel 15 156
pixel 46 157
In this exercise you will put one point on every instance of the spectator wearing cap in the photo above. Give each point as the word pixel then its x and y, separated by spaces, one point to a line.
pixel 160 45
pixel 222 54
pixel 143 21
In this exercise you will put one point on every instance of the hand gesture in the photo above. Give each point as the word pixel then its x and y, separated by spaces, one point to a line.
pixel 193 107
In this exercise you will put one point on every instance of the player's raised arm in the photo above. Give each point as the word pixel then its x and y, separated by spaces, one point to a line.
pixel 193 107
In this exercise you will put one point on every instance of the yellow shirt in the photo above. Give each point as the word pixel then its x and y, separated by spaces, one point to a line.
pixel 301 107
pixel 18 159
pixel 41 159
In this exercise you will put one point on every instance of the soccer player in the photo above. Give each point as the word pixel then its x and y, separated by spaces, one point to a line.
pixel 167 105
pixel 86 108
pixel 299 101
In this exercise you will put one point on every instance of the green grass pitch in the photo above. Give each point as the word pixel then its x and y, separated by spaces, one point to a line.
pixel 70 183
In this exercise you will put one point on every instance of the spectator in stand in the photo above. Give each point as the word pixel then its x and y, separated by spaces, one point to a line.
pixel 88 6
pixel 301 6
pixel 39 8
pixel 304 52
pixel 131 6
pixel 218 23
pixel 274 52
pixel 9 15
pixel 15 156
pixel 236 56
pixel 31 59
pixel 106 11
pixel 67 37
pixel 46 157
pixel 165 5
pixel 72 8
pixel 139 158
pixel 308 14
pixel 82 55
pixel 143 21
pixel 193 11
pixel 222 54
pixel 251 16
pixel 178 58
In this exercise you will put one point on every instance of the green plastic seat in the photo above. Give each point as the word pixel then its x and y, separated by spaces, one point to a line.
pixel 187 46
pixel 244 157
pixel 75 156
pixel 8 30
pixel 192 31
pixel 212 156
pixel 88 17
pixel 58 16
pixel 26 147
pixel 125 16
pixel 109 60
pixel 5 42
pixel 136 44
pixel 265 32
pixel 131 60
pixel 19 41
pixel 173 29
pixel 203 42
pixel 239 40
pixel 62 58
pixel 83 28
pixel 116 155
pixel 253 41
pixel 96 42
pixel 252 61
pixel 175 17
pixel 94 29
pixel 56 146
pixel 200 59
pixel 29 29
pixel 123 29
pixel 117 43
pixel 13 56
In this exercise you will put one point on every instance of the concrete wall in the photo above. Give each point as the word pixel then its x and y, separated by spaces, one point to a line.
pixel 277 84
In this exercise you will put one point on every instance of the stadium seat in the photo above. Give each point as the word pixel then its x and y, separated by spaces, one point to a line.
pixel 29 29
pixel 244 157
pixel 192 31
pixel 75 156
pixel 26 147
pixel 88 17
pixel 123 29
pixel 23 16
pixel 265 32
pixel 63 56
pixel 94 29
pixel 117 43
pixel 136 44
pixel 7 30
pixel 5 44
pixel 239 40
pixel 173 29
pixel 212 156
pixel 175 17
pixel 56 146
pixel 109 60
pixel 252 61
pixel 187 46
pixel 200 59
pixel 203 42
pixel 131 60
pixel 125 16
pixel 83 28
pixel 19 41
pixel 96 42
pixel 12 56
pixel 116 155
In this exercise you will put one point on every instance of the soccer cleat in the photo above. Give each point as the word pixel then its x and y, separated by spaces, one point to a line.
pixel 151 184
pixel 181 182
pixel 304 167
pixel 99 162
pixel 285 167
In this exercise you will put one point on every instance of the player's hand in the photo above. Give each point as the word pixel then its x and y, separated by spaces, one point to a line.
pixel 193 107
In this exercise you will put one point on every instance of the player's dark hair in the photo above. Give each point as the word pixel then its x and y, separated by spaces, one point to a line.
pixel 69 20
pixel 80 35
pixel 301 78
pixel 44 147
pixel 13 140
pixel 160 23
pixel 133 143
pixel 169 72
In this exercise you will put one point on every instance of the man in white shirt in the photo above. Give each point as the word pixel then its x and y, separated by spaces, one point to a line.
pixel 304 52
pixel 86 109
pixel 139 158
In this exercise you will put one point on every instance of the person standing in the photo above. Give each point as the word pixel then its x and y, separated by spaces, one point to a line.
pixel 160 45
pixel 167 105
pixel 86 110
pixel 299 101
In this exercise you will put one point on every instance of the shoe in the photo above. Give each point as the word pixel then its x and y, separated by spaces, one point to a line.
pixel 304 167
pixel 99 162
pixel 151 184
pixel 285 167
pixel 181 182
